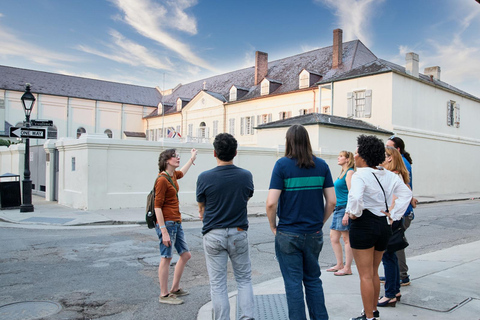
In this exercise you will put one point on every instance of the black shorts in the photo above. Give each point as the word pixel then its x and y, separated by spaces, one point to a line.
pixel 368 231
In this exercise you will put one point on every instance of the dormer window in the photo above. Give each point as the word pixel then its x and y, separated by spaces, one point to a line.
pixel 179 104
pixel 268 86
pixel 233 94
pixel 307 78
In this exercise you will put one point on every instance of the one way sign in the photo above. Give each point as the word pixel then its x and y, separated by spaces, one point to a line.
pixel 16 132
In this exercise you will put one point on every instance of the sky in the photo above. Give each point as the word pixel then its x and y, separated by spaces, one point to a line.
pixel 161 43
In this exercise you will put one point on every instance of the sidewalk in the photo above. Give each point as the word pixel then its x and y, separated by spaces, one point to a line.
pixel 444 283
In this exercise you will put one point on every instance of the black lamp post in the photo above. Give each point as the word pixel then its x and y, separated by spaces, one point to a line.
pixel 28 100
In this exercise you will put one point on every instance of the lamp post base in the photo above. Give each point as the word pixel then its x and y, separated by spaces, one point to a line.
pixel 26 208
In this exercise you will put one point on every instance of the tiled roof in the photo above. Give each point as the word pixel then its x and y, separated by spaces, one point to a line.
pixel 324 119
pixel 76 87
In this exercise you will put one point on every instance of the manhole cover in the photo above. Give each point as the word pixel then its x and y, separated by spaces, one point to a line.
pixel 28 310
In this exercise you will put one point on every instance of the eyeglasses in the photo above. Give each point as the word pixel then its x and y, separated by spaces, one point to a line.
pixel 176 156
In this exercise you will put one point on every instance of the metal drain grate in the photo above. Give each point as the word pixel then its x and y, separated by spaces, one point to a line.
pixel 269 307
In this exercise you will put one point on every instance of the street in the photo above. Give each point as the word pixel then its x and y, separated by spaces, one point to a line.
pixel 99 272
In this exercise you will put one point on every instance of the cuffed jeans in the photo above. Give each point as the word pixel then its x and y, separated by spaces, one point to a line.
pixel 297 255
pixel 219 244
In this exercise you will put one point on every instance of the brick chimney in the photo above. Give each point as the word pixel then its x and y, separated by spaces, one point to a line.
pixel 261 66
pixel 337 48
pixel 433 71
pixel 411 66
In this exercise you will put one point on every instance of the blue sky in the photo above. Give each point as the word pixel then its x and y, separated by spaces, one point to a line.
pixel 163 43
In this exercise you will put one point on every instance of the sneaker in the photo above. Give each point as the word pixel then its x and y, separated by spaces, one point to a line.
pixel 382 279
pixel 405 281
pixel 364 317
pixel 180 292
pixel 170 299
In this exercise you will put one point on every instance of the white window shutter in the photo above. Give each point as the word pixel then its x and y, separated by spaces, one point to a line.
pixel 449 113
pixel 253 124
pixel 207 134
pixel 242 125
pixel 368 104
pixel 269 117
pixel 457 115
pixel 259 120
pixel 289 114
pixel 350 110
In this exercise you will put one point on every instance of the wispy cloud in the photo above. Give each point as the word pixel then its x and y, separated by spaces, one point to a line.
pixel 23 49
pixel 152 20
pixel 126 51
pixel 354 17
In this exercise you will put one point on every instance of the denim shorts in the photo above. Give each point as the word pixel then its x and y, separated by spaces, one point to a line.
pixel 177 238
pixel 337 219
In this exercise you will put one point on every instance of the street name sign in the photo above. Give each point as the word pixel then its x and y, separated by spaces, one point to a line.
pixel 40 123
pixel 32 133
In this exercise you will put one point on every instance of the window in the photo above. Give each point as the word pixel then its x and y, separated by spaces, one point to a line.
pixel 326 109
pixel 109 133
pixel 284 115
pixel 303 111
pixel 178 131
pixel 80 131
pixel 246 125
pixel 231 126
pixel 264 118
pixel 233 94
pixel 190 130
pixel 453 114
pixel 359 104
pixel 265 89
pixel 304 81
pixel 215 128
pixel 179 104
pixel 201 130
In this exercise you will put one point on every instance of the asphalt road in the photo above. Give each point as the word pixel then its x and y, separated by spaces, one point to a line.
pixel 111 272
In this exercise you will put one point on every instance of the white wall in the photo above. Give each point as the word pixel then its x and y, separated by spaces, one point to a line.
pixel 113 173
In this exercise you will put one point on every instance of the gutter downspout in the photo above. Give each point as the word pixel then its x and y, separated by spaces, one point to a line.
pixel 331 112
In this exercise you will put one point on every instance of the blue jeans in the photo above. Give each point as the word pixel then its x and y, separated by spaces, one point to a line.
pixel 297 255
pixel 177 237
pixel 219 244
pixel 392 274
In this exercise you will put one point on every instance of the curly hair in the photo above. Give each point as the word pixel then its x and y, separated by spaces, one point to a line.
pixel 225 146
pixel 163 158
pixel 371 149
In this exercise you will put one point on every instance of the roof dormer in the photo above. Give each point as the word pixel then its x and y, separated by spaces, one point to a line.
pixel 268 86
pixel 307 78
pixel 237 93
pixel 163 107
pixel 182 102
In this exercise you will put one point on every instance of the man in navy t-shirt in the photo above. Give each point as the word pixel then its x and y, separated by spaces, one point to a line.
pixel 222 196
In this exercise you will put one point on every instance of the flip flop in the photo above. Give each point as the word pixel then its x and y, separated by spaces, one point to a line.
pixel 332 269
pixel 342 273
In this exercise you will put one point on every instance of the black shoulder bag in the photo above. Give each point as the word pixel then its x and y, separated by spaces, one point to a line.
pixel 397 241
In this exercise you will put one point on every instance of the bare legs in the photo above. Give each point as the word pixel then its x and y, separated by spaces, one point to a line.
pixel 367 262
pixel 163 269
pixel 337 250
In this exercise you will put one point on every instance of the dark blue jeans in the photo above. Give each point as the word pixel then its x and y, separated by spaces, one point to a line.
pixel 297 255
pixel 392 271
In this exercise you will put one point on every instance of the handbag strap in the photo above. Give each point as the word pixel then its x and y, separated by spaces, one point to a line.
pixel 385 197
pixel 170 180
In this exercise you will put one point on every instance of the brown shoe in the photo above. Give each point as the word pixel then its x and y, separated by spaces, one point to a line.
pixel 180 292
pixel 170 299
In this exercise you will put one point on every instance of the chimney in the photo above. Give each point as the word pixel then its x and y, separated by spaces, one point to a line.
pixel 261 66
pixel 412 64
pixel 337 48
pixel 433 71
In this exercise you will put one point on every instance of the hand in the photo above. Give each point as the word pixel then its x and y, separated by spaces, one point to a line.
pixel 414 202
pixel 351 216
pixel 193 154
pixel 274 230
pixel 166 238
pixel 390 220
pixel 345 220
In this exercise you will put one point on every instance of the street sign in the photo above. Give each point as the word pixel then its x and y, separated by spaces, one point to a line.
pixel 39 123
pixel 32 133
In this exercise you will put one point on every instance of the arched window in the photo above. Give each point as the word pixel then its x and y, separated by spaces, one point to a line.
pixel 201 133
pixel 80 131
pixel 109 133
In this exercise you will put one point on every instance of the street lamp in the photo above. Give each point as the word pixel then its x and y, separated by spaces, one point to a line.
pixel 28 100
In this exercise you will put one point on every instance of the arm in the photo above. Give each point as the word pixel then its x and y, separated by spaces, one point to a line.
pixel 404 196
pixel 330 201
pixel 348 180
pixel 272 202
pixel 355 198
pixel 201 209
pixel 161 223
pixel 190 161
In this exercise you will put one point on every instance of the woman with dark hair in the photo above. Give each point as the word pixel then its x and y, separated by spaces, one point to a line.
pixel 372 188
pixel 408 216
pixel 298 185
pixel 169 223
